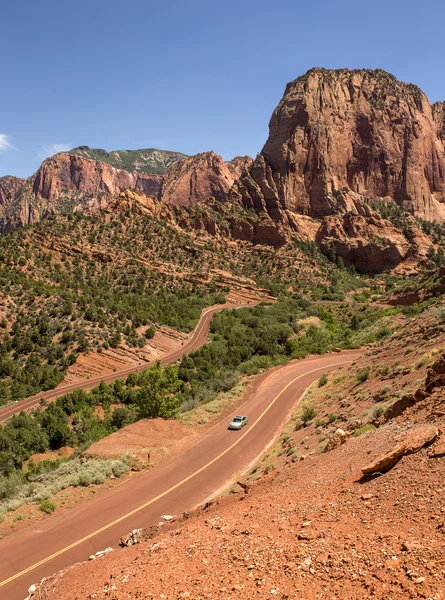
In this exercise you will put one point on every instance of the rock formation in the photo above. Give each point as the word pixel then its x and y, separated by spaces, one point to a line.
pixel 68 182
pixel 363 131
pixel 10 188
pixel 199 177
pixel 439 118
pixel 68 173
pixel 338 141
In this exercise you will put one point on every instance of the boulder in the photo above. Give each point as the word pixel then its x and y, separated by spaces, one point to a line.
pixel 412 442
pixel 338 438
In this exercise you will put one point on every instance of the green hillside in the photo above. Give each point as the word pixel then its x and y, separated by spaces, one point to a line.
pixel 149 161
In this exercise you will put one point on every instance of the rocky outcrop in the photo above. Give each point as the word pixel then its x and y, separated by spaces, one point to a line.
pixel 226 221
pixel 239 166
pixel 411 443
pixel 362 238
pixel 430 285
pixel 198 178
pixel 360 130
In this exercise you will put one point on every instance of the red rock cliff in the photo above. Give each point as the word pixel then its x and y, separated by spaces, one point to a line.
pixel 198 177
pixel 360 130
pixel 10 188
pixel 67 183
pixel 439 118
pixel 67 173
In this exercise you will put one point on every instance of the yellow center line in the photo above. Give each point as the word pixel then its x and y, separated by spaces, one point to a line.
pixel 172 488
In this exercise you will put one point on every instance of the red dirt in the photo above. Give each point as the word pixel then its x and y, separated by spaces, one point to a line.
pixel 178 484
pixel 157 437
pixel 310 527
pixel 95 364
pixel 308 530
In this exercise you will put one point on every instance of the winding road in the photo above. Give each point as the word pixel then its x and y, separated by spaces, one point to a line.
pixel 177 485
pixel 197 339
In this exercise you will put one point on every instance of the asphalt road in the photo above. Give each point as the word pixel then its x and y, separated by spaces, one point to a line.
pixel 197 339
pixel 177 485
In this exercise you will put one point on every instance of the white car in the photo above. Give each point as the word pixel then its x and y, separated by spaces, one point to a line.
pixel 238 422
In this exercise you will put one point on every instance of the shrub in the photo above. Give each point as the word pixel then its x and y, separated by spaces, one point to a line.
pixel 84 479
pixel 150 332
pixel 119 467
pixel 269 467
pixel 308 412
pixel 380 396
pixel 47 507
pixel 363 429
pixel 323 380
pixel 383 332
pixel 98 477
pixel 363 374
pixel 378 411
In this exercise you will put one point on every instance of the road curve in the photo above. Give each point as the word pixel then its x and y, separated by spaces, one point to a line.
pixel 197 339
pixel 177 485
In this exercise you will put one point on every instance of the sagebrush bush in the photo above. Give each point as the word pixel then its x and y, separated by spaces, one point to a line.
pixel 83 479
pixel 363 374
pixel 20 491
pixel 308 412
pixel 47 507
pixel 323 380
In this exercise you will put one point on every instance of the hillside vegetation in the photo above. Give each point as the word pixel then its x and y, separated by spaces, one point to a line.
pixel 243 342
pixel 149 160
pixel 75 284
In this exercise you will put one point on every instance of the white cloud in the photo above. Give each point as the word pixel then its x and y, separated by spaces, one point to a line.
pixel 5 142
pixel 53 149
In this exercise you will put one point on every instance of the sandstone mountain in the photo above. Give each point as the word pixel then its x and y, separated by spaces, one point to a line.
pixel 67 182
pixel 361 130
pixel 339 142
pixel 200 177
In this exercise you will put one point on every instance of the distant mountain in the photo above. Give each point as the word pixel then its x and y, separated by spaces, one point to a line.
pixel 149 160
pixel 73 182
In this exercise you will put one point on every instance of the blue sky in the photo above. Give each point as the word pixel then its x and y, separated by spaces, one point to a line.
pixel 188 76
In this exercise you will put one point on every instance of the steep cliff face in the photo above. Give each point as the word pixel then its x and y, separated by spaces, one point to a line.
pixel 64 184
pixel 199 177
pixel 438 109
pixel 68 173
pixel 67 182
pixel 9 190
pixel 360 130
pixel 239 166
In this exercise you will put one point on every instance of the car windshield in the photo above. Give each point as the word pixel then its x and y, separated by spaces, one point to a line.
pixel 238 419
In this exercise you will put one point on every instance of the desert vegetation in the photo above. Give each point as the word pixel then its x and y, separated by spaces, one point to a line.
pixel 243 342
pixel 75 284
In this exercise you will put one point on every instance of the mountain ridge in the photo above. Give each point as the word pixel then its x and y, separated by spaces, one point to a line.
pixel 339 142
pixel 150 161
